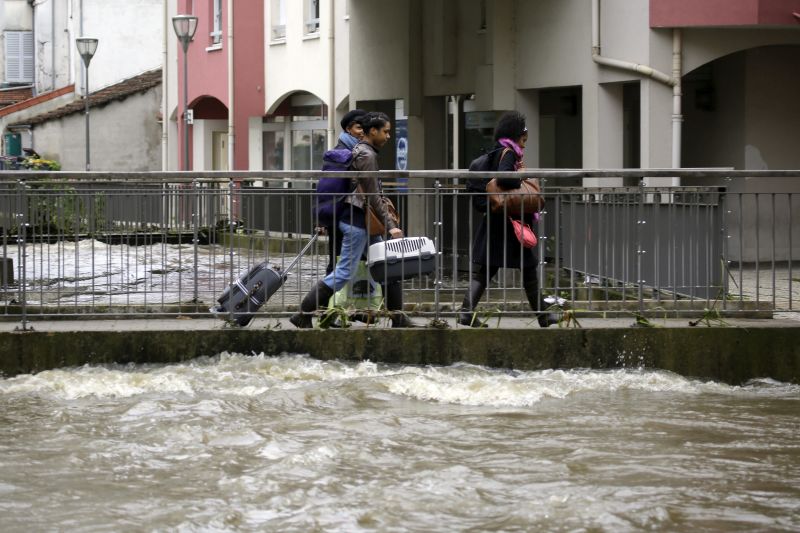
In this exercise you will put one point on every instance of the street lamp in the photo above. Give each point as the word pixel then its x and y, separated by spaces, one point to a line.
pixel 87 46
pixel 185 26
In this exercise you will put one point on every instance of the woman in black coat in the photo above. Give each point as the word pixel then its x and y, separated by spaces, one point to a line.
pixel 495 245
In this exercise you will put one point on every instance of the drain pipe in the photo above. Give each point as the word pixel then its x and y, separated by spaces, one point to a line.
pixel 618 63
pixel 53 45
pixel 673 81
pixel 332 76
pixel 231 138
pixel 677 97
pixel 164 92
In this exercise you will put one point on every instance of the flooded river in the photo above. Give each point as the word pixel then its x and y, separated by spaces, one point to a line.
pixel 236 443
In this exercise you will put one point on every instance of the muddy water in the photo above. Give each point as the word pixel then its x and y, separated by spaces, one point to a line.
pixel 293 444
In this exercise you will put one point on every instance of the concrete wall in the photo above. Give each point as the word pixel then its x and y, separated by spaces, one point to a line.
pixel 379 45
pixel 124 136
pixel 730 355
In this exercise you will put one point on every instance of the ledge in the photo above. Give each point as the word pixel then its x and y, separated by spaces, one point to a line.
pixel 765 348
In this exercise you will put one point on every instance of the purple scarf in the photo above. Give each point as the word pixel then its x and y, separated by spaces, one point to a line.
pixel 508 143
pixel 511 145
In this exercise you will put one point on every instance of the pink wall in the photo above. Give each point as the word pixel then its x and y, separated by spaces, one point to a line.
pixel 208 69
pixel 248 51
pixel 683 13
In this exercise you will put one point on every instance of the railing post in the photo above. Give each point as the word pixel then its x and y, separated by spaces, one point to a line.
pixel 22 226
pixel 438 236
pixel 724 231
pixel 195 222
pixel 541 250
pixel 640 251
pixel 231 186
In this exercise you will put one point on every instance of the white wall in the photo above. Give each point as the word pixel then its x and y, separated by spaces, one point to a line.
pixel 53 44
pixel 130 34
pixel 136 147
pixel 300 62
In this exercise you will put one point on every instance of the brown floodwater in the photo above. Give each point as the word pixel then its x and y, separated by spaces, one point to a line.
pixel 233 443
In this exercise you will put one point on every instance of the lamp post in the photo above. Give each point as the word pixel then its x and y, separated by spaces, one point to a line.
pixel 185 26
pixel 87 46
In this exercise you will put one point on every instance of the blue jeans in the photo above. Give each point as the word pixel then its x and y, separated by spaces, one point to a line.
pixel 354 244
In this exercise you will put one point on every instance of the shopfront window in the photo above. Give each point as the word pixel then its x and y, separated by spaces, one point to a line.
pixel 272 147
pixel 300 120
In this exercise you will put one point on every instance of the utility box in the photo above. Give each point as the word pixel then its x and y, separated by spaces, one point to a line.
pixel 12 143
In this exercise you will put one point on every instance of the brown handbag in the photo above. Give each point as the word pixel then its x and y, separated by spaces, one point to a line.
pixel 375 225
pixel 527 198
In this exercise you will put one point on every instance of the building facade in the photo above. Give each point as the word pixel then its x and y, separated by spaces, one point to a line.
pixel 287 66
pixel 130 46
pixel 458 64
pixel 225 83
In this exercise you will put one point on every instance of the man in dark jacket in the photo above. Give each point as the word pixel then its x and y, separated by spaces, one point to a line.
pixel 352 133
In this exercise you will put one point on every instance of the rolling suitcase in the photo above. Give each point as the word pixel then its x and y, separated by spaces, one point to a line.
pixel 241 300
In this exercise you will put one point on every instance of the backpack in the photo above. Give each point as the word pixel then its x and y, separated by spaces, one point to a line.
pixel 332 191
pixel 483 163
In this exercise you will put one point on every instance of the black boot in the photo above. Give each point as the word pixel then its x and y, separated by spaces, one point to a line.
pixel 317 297
pixel 393 293
pixel 538 304
pixel 466 315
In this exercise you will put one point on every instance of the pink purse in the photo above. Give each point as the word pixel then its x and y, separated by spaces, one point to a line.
pixel 524 233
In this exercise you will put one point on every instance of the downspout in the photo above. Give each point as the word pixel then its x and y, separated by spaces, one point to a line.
pixel 673 81
pixel 230 87
pixel 35 55
pixel 68 26
pixel 677 97
pixel 83 70
pixel 53 44
pixel 332 76
pixel 164 93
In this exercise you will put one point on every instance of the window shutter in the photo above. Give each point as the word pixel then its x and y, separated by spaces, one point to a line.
pixel 27 56
pixel 19 56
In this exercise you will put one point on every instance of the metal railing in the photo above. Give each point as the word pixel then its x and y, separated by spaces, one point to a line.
pixel 133 244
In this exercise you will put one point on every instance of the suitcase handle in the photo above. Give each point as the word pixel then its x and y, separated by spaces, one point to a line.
pixel 301 254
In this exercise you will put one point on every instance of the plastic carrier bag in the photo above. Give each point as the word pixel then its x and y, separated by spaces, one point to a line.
pixel 361 294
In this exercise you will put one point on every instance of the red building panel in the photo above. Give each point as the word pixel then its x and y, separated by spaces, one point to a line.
pixel 709 13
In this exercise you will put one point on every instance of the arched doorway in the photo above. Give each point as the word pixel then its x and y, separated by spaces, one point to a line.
pixel 741 110
pixel 294 133
pixel 209 134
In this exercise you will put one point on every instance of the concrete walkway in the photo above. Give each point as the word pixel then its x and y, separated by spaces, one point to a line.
pixel 786 320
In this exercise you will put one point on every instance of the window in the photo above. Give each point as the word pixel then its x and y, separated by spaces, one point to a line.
pixel 19 56
pixel 278 19
pixel 295 136
pixel 216 17
pixel 312 16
